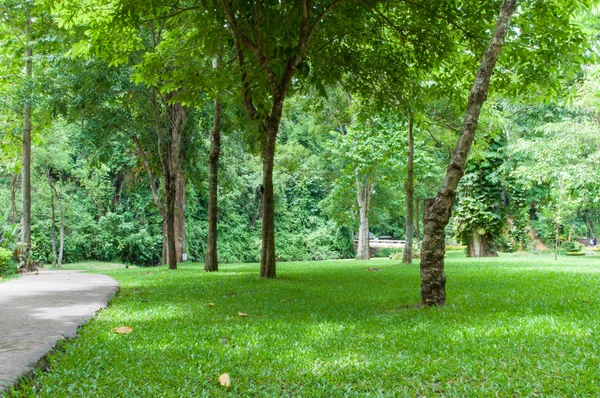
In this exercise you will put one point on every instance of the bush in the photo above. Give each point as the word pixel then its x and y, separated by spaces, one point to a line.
pixel 7 265
pixel 385 252
pixel 568 246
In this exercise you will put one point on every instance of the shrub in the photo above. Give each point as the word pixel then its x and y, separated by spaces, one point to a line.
pixel 6 262
pixel 568 246
pixel 384 252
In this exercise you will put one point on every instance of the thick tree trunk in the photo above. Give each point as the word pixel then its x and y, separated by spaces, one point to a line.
pixel 268 260
pixel 211 263
pixel 363 196
pixel 438 209
pixel 410 193
pixel 26 163
pixel 480 245
pixel 14 180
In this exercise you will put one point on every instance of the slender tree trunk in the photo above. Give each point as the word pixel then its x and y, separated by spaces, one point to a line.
pixel 417 218
pixel 165 241
pixel 268 260
pixel 14 181
pixel 61 245
pixel 480 246
pixel 173 172
pixel 170 194
pixel 410 193
pixel 53 227
pixel 26 161
pixel 180 243
pixel 557 241
pixel 53 215
pixel 211 263
pixel 363 196
pixel 438 210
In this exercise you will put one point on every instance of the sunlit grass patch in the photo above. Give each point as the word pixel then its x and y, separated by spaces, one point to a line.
pixel 514 325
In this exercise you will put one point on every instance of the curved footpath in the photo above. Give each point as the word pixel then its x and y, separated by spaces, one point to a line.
pixel 38 310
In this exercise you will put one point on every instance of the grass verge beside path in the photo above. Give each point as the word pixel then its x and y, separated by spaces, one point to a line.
pixel 516 326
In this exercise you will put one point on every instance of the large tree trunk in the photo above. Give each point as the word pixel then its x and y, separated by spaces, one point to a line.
pixel 26 161
pixel 410 193
pixel 14 181
pixel 363 196
pixel 480 245
pixel 211 263
pixel 438 210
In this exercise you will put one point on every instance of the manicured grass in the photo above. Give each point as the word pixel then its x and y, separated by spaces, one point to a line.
pixel 519 325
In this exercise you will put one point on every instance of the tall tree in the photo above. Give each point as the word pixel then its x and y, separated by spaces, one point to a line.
pixel 438 210
pixel 410 195
pixel 278 38
pixel 211 262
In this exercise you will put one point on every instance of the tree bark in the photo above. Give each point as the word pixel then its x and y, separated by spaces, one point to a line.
pixel 363 195
pixel 26 161
pixel 438 210
pixel 410 193
pixel 211 263
pixel 480 246
pixel 267 259
pixel 172 161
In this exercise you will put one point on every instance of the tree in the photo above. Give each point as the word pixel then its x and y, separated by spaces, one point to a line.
pixel 278 51
pixel 211 262
pixel 438 209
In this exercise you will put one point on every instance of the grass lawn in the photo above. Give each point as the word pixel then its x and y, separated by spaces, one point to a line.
pixel 520 325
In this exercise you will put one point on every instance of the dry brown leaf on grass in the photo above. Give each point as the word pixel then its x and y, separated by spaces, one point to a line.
pixel 242 314
pixel 122 330
pixel 210 304
pixel 225 380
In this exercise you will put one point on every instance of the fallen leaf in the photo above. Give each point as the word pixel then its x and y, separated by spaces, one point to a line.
pixel 373 269
pixel 242 314
pixel 210 304
pixel 225 380
pixel 122 330
pixel 225 340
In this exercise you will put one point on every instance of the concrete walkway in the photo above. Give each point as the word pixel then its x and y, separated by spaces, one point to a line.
pixel 38 310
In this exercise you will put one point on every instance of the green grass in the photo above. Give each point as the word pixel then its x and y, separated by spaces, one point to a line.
pixel 518 325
